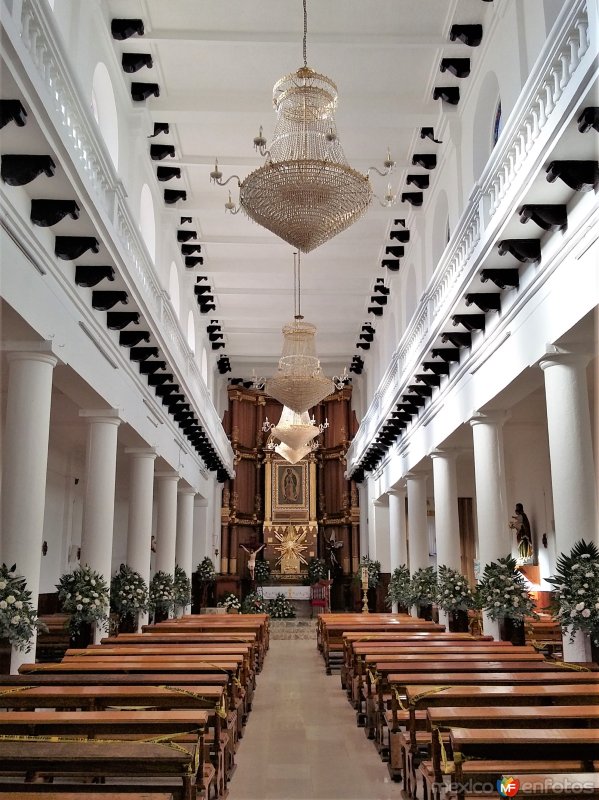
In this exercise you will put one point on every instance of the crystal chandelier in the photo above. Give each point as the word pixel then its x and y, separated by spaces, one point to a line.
pixel 305 192
pixel 299 382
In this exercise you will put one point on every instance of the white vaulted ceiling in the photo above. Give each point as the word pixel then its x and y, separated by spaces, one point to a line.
pixel 216 62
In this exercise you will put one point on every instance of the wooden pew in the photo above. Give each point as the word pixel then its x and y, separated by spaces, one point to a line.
pixel 440 719
pixel 122 759
pixel 534 749
pixel 49 791
pixel 404 747
pixel 100 698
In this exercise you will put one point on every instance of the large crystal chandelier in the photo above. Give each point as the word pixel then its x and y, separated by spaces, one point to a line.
pixel 294 435
pixel 306 192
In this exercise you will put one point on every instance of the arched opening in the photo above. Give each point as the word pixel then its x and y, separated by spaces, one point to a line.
pixel 147 221
pixel 173 289
pixel 411 295
pixel 439 237
pixel 486 119
pixel 104 110
pixel 497 124
pixel 191 331
pixel 204 366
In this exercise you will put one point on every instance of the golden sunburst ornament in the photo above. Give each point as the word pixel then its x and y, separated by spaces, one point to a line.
pixel 291 549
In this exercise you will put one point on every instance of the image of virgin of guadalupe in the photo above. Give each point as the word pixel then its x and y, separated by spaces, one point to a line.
pixel 290 486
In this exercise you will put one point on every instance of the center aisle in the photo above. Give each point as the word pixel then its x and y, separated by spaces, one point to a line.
pixel 301 741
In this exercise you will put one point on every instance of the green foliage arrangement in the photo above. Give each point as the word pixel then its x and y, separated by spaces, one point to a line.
pixel 128 592
pixel 503 591
pixel 84 595
pixel 400 588
pixel 230 601
pixel 374 572
pixel 281 608
pixel 254 603
pixel 453 591
pixel 162 592
pixel 261 572
pixel 18 618
pixel 317 570
pixel 424 586
pixel 576 590
pixel 181 587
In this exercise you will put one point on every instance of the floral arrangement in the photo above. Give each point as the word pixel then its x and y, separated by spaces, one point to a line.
pixel 317 570
pixel 181 587
pixel 128 592
pixel 261 572
pixel 453 591
pixel 503 591
pixel 18 618
pixel 254 603
pixel 400 588
pixel 374 572
pixel 162 592
pixel 230 602
pixel 205 571
pixel 576 590
pixel 424 586
pixel 281 608
pixel 84 595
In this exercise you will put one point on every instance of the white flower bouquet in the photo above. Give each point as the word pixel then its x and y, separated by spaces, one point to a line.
pixel 453 591
pixel 84 595
pixel 503 591
pixel 162 592
pixel 181 587
pixel 18 617
pixel 128 592
pixel 576 590
pixel 230 602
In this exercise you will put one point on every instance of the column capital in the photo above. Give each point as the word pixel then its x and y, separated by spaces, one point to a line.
pixel 397 491
pixel 498 417
pixel 416 476
pixel 167 475
pixel 142 452
pixel 111 416
pixel 555 358
pixel 200 502
pixel 448 453
pixel 186 490
pixel 379 501
pixel 32 355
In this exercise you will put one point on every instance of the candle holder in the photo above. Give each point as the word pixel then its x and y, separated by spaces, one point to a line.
pixel 364 598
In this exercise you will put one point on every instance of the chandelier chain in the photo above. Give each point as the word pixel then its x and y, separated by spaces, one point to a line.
pixel 305 34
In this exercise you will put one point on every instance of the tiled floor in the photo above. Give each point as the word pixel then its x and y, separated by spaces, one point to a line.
pixel 301 740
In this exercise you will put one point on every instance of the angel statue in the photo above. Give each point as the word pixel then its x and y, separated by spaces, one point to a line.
pixel 252 558
pixel 332 546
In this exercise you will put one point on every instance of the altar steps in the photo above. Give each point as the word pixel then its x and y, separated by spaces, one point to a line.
pixel 299 628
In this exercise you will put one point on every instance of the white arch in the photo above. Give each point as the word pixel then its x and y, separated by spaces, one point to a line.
pixel 104 110
pixel 191 331
pixel 484 121
pixel 147 221
pixel 173 289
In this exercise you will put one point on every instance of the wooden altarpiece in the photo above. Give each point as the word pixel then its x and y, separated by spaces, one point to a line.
pixel 270 499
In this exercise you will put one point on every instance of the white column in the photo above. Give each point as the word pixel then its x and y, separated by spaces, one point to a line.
pixel 491 502
pixel 397 531
pixel 447 523
pixel 183 548
pixel 573 474
pixel 380 529
pixel 24 465
pixel 141 494
pixel 364 515
pixel 202 544
pixel 166 521
pixel 98 503
pixel 417 521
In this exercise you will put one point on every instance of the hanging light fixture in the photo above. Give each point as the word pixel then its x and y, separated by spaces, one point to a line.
pixel 293 429
pixel 299 383
pixel 305 192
